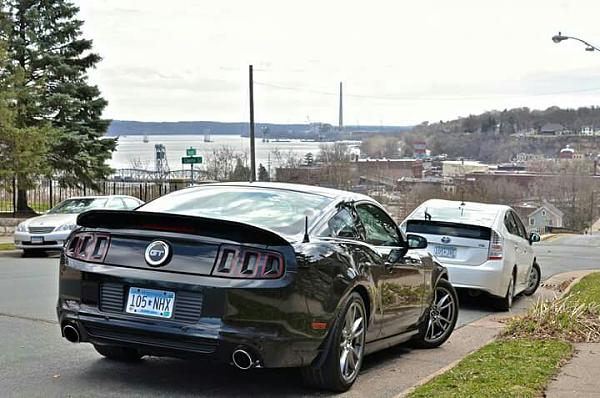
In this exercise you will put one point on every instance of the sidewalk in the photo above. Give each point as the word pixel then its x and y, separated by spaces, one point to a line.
pixel 581 376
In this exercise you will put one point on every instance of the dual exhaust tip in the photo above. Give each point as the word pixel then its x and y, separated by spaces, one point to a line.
pixel 71 333
pixel 243 360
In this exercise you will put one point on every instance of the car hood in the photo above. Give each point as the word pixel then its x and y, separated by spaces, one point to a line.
pixel 52 220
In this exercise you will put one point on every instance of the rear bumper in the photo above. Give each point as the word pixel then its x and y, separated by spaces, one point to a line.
pixel 265 322
pixel 490 277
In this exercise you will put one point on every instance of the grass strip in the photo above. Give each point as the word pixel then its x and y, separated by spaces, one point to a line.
pixel 587 290
pixel 504 368
pixel 7 246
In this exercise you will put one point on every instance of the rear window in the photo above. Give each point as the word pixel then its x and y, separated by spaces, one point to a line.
pixel 279 210
pixel 448 229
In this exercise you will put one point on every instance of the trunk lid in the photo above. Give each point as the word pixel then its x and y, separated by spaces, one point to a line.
pixel 193 242
pixel 454 243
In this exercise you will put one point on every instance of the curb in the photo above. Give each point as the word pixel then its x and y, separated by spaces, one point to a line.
pixel 9 253
pixel 494 318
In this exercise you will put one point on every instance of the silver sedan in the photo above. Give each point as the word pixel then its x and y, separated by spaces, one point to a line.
pixel 50 230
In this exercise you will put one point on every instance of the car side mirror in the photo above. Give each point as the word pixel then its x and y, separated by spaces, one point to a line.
pixel 416 241
pixel 534 237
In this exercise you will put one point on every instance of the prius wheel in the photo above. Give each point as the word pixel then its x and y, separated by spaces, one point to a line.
pixel 441 317
pixel 116 353
pixel 343 359
pixel 535 277
pixel 505 303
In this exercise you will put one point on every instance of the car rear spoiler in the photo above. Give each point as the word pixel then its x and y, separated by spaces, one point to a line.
pixel 165 222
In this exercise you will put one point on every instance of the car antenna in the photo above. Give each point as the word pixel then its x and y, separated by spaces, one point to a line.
pixel 305 240
pixel 427 215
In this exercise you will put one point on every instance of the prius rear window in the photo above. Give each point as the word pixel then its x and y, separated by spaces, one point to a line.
pixel 448 229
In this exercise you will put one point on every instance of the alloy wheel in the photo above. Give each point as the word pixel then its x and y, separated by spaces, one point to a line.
pixel 441 314
pixel 352 341
pixel 534 278
pixel 511 291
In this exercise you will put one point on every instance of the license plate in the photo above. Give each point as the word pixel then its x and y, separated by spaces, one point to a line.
pixel 158 303
pixel 37 239
pixel 445 251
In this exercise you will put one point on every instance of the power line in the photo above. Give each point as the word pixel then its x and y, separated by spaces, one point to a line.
pixel 422 98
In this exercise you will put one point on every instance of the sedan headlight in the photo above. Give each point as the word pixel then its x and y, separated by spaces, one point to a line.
pixel 66 227
pixel 22 227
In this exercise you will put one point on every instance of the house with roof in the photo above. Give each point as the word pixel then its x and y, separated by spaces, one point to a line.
pixel 552 129
pixel 545 217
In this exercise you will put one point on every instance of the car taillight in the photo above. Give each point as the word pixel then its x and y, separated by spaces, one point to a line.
pixel 88 246
pixel 496 247
pixel 248 263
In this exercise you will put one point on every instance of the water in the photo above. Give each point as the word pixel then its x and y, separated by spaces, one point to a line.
pixel 132 152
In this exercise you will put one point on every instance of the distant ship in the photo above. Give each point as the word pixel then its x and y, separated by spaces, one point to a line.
pixel 207 138
pixel 146 139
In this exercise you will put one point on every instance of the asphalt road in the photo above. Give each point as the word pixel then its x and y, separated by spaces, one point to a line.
pixel 36 362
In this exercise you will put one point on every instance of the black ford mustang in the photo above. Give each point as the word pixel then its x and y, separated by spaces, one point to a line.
pixel 258 275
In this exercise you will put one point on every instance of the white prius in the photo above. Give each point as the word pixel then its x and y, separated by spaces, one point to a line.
pixel 484 246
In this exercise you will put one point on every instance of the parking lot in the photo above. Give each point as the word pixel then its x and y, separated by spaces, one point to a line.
pixel 37 362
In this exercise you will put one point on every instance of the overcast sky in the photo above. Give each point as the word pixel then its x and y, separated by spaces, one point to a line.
pixel 402 62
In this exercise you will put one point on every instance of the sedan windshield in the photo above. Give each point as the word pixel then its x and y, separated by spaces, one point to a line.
pixel 279 210
pixel 76 206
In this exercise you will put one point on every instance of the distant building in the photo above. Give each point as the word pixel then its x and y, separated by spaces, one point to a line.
pixel 526 157
pixel 545 216
pixel 586 130
pixel 552 129
pixel 390 168
pixel 567 153
pixel 457 168
pixel 420 149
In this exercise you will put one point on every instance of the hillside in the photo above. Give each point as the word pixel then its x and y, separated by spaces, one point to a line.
pixel 492 136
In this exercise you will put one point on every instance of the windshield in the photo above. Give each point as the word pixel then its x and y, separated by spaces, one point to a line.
pixel 76 206
pixel 279 210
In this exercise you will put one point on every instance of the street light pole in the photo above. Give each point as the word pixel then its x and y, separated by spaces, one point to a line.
pixel 252 149
pixel 560 37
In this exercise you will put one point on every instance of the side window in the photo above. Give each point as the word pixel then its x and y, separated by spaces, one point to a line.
pixel 341 225
pixel 520 225
pixel 510 224
pixel 116 204
pixel 131 203
pixel 380 229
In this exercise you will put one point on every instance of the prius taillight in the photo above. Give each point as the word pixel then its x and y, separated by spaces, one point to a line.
pixel 88 246
pixel 496 249
pixel 248 263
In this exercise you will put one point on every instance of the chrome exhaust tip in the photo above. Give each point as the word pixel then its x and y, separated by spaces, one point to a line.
pixel 242 359
pixel 71 333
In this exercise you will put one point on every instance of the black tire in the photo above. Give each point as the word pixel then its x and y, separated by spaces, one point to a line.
pixel 436 318
pixel 326 373
pixel 122 354
pixel 534 280
pixel 505 303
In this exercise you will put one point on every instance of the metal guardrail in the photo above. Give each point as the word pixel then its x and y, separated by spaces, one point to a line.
pixel 48 193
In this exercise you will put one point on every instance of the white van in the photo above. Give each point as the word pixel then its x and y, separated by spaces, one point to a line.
pixel 485 247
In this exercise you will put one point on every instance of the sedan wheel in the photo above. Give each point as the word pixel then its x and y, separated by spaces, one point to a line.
pixel 340 364
pixel 535 277
pixel 441 317
pixel 352 341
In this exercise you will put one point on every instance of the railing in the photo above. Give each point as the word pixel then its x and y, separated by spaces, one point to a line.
pixel 48 193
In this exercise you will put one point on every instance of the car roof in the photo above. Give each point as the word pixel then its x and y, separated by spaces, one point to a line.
pixel 280 186
pixel 483 214
pixel 101 197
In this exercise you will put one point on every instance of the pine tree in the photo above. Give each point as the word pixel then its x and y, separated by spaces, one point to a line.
pixel 263 174
pixel 23 150
pixel 45 45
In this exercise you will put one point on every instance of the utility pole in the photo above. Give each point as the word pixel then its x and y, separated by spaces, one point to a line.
pixel 252 149
pixel 341 112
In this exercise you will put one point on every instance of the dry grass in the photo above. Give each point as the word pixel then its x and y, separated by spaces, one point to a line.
pixel 569 318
